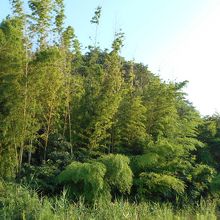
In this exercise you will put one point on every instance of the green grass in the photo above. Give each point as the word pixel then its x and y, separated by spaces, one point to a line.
pixel 17 202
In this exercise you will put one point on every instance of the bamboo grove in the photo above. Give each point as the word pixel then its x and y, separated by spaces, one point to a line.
pixel 95 122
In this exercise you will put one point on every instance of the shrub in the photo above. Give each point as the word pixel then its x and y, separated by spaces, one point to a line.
pixel 98 178
pixel 119 174
pixel 84 179
pixel 156 186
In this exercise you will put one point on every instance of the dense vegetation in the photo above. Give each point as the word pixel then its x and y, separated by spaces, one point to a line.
pixel 27 205
pixel 95 127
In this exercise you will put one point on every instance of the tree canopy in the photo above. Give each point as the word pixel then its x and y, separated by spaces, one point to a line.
pixel 95 122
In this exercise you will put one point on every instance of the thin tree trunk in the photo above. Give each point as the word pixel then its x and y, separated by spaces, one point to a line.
pixel 30 154
pixel 25 105
pixel 112 140
pixel 21 157
pixel 47 134
pixel 65 119
pixel 17 159
pixel 70 129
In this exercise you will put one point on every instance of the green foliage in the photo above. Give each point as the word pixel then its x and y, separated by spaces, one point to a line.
pixel 41 177
pixel 17 8
pixel 17 202
pixel 29 206
pixel 118 41
pixel 202 179
pixel 85 179
pixel 50 93
pixel 59 18
pixel 11 98
pixel 130 128
pixel 97 179
pixel 95 114
pixel 59 105
pixel 215 184
pixel 209 133
pixel 96 17
pixel 68 36
pixel 203 173
pixel 144 162
pixel 41 16
pixel 118 174
pixel 108 101
pixel 153 185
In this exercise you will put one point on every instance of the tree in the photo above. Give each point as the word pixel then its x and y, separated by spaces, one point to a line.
pixel 129 132
pixel 41 19
pixel 209 133
pixel 11 74
pixel 95 20
pixel 47 73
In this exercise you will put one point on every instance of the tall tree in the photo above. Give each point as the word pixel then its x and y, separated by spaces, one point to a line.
pixel 96 20
pixel 129 129
pixel 11 74
pixel 48 75
pixel 41 20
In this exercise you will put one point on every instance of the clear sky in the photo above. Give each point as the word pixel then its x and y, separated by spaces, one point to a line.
pixel 178 39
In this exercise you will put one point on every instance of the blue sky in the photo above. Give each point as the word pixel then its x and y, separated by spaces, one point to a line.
pixel 178 39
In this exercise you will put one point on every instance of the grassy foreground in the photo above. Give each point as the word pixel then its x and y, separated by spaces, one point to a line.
pixel 19 203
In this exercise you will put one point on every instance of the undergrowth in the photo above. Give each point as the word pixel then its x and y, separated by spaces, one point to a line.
pixel 17 202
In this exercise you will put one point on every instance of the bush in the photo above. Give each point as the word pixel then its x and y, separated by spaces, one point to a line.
pixel 155 186
pixel 98 178
pixel 119 174
pixel 84 179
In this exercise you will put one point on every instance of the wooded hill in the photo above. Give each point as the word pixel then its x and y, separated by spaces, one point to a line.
pixel 95 122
